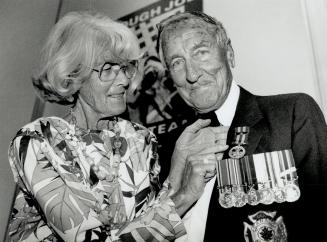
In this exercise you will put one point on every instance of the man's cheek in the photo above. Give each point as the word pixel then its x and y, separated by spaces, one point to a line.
pixel 184 94
pixel 212 69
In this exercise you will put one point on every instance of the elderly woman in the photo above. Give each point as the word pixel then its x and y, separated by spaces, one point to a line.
pixel 93 176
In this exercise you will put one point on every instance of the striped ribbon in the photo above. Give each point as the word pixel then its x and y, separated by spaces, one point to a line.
pixel 241 135
pixel 240 138
pixel 261 178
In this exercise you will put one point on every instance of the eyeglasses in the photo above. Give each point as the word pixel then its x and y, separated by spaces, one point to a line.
pixel 109 71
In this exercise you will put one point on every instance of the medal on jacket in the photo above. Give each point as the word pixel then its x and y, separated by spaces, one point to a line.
pixel 260 178
pixel 240 139
pixel 230 182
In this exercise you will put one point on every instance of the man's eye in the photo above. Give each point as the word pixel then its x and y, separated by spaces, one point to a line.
pixel 202 54
pixel 177 64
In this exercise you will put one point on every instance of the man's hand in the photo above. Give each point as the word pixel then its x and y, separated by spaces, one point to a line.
pixel 198 170
pixel 196 139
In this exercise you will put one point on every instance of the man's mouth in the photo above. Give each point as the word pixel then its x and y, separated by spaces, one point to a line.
pixel 195 88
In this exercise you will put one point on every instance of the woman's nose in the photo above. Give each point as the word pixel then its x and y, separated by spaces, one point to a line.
pixel 121 79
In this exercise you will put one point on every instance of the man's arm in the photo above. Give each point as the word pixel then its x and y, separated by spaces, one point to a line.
pixel 309 141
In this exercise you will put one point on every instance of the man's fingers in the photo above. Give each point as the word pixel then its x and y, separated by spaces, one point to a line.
pixel 209 156
pixel 203 169
pixel 197 125
pixel 219 156
pixel 203 165
pixel 217 148
pixel 221 136
pixel 219 129
pixel 202 160
pixel 209 175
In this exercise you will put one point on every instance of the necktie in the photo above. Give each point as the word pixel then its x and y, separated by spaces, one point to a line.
pixel 212 116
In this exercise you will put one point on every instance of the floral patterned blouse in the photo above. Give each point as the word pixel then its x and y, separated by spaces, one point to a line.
pixel 68 191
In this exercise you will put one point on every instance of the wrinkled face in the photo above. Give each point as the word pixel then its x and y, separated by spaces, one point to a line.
pixel 105 98
pixel 198 66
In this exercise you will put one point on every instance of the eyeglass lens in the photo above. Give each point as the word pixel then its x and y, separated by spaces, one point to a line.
pixel 109 70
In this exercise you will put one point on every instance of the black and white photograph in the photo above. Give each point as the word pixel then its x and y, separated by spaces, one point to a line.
pixel 163 120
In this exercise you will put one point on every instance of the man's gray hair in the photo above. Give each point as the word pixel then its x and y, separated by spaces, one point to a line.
pixel 212 25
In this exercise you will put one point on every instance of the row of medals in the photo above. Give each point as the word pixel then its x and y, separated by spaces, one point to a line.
pixel 240 195
pixel 254 192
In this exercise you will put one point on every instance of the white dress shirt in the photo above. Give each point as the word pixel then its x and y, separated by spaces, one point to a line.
pixel 196 218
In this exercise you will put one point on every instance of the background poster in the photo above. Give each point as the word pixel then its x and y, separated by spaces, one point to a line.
pixel 153 100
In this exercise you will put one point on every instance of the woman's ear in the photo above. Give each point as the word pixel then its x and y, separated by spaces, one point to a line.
pixel 69 86
pixel 66 83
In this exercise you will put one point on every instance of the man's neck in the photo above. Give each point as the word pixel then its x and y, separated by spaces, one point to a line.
pixel 226 112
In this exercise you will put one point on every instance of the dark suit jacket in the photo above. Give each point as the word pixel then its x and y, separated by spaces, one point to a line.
pixel 289 121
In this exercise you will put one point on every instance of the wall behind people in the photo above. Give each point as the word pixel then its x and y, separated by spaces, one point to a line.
pixel 316 18
pixel 23 27
pixel 274 44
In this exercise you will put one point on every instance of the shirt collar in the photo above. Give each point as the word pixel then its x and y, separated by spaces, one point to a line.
pixel 226 112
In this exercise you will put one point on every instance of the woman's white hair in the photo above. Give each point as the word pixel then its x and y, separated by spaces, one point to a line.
pixel 77 43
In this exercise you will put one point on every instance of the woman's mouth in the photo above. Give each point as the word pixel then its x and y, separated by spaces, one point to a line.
pixel 117 95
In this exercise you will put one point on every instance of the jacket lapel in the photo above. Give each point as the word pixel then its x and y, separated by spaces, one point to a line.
pixel 249 114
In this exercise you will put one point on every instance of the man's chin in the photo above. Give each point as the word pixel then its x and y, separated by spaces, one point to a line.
pixel 205 107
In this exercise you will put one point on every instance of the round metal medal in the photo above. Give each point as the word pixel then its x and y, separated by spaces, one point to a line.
pixel 292 192
pixel 236 152
pixel 226 199
pixel 266 196
pixel 240 198
pixel 279 194
pixel 253 197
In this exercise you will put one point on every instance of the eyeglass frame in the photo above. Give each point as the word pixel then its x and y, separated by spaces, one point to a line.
pixel 121 67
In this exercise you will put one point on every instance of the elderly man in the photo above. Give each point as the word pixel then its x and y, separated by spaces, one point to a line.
pixel 264 193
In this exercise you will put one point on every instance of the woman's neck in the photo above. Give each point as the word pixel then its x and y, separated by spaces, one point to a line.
pixel 85 116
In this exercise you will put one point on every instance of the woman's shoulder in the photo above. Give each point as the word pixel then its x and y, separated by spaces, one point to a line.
pixel 52 120
pixel 42 126
pixel 140 129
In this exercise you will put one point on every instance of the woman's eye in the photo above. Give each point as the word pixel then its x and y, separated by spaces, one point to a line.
pixel 106 67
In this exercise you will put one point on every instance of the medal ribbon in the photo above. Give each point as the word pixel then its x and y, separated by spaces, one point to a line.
pixel 240 138
pixel 268 172
pixel 241 135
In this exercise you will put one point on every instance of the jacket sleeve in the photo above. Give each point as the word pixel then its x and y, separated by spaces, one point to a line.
pixel 159 220
pixel 46 206
pixel 309 141
pixel 310 153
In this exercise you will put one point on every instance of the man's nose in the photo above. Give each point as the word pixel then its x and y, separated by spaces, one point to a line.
pixel 192 72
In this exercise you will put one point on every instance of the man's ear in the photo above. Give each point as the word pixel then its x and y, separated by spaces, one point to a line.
pixel 230 55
